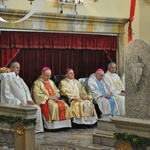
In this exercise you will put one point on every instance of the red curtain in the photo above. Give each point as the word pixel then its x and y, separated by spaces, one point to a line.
pixel 83 62
pixel 57 41
pixel 7 55
pixel 83 53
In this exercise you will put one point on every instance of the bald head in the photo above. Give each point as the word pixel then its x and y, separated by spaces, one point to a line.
pixel 15 67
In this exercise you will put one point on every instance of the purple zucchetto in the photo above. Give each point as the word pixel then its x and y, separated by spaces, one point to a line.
pixel 45 68
pixel 99 70
pixel 66 71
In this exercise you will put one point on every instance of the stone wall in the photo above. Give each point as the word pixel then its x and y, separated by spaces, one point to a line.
pixel 137 83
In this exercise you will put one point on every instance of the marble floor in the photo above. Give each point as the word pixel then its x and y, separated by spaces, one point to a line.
pixel 68 139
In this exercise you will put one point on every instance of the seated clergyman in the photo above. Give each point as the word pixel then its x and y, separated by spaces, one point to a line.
pixel 81 102
pixel 115 86
pixel 97 88
pixel 56 113
pixel 16 92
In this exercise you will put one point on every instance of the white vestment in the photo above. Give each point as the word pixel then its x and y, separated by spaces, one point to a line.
pixel 102 102
pixel 123 78
pixel 14 91
pixel 115 86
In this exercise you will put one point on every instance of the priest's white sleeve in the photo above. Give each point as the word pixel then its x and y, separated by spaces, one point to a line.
pixel 7 95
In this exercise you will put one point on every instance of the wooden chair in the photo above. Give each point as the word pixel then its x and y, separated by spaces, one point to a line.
pixel 57 79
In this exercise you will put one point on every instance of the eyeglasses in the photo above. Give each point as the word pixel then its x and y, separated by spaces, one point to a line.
pixel 113 67
pixel 100 74
pixel 17 68
pixel 48 76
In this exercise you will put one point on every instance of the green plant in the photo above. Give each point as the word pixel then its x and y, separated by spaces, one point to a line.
pixel 11 119
pixel 133 139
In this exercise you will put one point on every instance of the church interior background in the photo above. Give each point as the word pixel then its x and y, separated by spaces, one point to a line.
pixel 84 36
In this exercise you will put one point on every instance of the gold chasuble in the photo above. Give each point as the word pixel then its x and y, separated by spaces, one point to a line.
pixel 52 109
pixel 83 106
pixel 61 106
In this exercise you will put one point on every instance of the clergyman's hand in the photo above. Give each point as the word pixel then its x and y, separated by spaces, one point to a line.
pixel 29 102
pixel 21 104
pixel 53 98
pixel 122 93
pixel 77 99
pixel 106 95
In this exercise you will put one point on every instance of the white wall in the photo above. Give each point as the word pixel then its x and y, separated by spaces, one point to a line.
pixel 101 8
pixel 144 20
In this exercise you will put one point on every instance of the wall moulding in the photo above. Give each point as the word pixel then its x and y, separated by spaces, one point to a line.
pixel 61 22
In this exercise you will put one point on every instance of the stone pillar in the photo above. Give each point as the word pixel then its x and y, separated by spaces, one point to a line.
pixel 9 133
pixel 120 55
pixel 3 143
pixel 6 135
pixel 17 135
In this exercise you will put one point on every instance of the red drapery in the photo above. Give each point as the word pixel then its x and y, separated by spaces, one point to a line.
pixel 7 55
pixel 83 62
pixel 57 41
pixel 131 18
pixel 84 53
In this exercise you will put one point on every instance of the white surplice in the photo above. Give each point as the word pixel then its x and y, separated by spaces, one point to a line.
pixel 14 91
pixel 115 86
